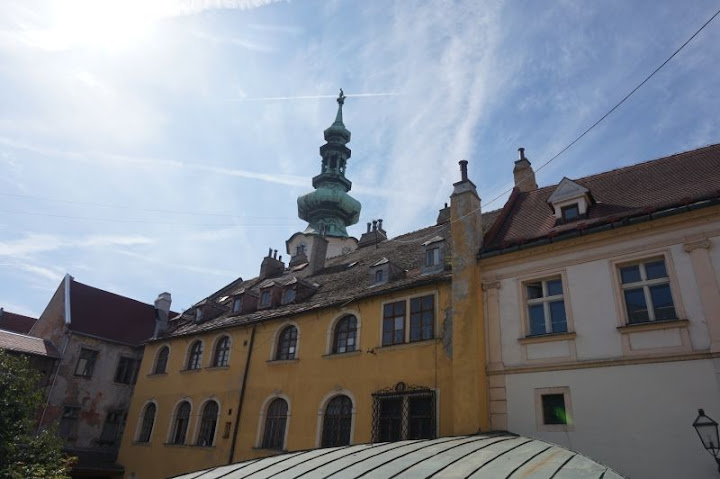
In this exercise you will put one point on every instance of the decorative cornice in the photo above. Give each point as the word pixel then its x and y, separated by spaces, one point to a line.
pixel 702 244
pixel 489 286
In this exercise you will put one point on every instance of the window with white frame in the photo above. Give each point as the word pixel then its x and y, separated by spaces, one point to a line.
pixel 432 256
pixel 147 422
pixel 646 291
pixel 553 409
pixel 545 306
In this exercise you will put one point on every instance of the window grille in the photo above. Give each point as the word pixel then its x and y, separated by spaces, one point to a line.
pixel 404 412
pixel 287 343
pixel 162 359
pixel 345 335
pixel 337 422
pixel 148 420
pixel 182 419
pixel 222 352
pixel 208 424
pixel 195 356
pixel 275 423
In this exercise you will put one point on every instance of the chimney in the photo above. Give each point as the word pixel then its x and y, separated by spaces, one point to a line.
pixel 524 173
pixel 271 265
pixel 468 323
pixel 374 234
pixel 162 313
pixel 318 253
pixel 443 215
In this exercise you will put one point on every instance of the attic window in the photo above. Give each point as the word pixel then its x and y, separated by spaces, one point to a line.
pixel 570 212
pixel 198 315
pixel 379 276
pixel 432 256
pixel 237 304
pixel 265 298
pixel 288 296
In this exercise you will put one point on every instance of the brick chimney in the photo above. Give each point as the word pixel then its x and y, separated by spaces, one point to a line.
pixel 374 234
pixel 271 266
pixel 524 174
pixel 468 330
pixel 162 313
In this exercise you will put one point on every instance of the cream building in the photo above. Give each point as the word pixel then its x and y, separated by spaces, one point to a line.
pixel 603 313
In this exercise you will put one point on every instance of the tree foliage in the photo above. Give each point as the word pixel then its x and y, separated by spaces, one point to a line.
pixel 24 453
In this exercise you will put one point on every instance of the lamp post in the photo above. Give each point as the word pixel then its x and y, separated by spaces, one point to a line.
pixel 707 429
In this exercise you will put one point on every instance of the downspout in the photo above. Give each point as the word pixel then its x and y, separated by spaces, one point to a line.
pixel 242 396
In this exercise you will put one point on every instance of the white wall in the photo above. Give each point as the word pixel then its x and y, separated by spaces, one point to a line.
pixel 636 419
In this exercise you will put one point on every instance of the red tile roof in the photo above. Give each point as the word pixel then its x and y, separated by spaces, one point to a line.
pixel 23 343
pixel 15 322
pixel 620 194
pixel 110 316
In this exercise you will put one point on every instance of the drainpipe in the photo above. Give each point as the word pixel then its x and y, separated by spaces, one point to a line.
pixel 242 396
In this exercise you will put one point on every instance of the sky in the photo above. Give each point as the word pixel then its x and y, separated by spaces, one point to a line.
pixel 150 146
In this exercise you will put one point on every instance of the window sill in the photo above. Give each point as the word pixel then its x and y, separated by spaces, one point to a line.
pixel 282 361
pixel 653 325
pixel 141 444
pixel 152 375
pixel 217 368
pixel 172 444
pixel 184 371
pixel 393 347
pixel 546 338
pixel 271 451
pixel 341 355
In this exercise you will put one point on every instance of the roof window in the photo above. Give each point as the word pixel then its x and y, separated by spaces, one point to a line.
pixel 570 201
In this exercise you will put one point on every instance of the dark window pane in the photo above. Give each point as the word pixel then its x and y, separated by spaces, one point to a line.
pixel 630 274
pixel 112 429
pixel 422 318
pixel 182 419
pixel 162 359
pixel 394 323
pixel 554 409
pixel 420 420
pixel 275 421
pixel 655 270
pixel 147 423
pixel 554 287
pixel 222 352
pixel 195 357
pixel 390 419
pixel 534 290
pixel 570 213
pixel 662 302
pixel 287 343
pixel 537 319
pixel 208 424
pixel 345 332
pixel 86 363
pixel 337 422
pixel 558 320
pixel 237 305
pixel 636 307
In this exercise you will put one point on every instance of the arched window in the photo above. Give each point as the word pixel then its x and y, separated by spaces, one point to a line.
pixel 208 422
pixel 195 356
pixel 287 343
pixel 337 421
pixel 222 352
pixel 275 422
pixel 148 419
pixel 344 337
pixel 161 360
pixel 180 425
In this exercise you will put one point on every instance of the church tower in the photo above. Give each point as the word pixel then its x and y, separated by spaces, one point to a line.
pixel 329 210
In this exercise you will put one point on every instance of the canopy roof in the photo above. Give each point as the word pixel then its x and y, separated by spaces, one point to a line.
pixel 484 456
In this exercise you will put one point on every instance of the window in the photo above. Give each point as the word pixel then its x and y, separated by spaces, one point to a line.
pixel 265 298
pixel 237 305
pixel 113 427
pixel 288 296
pixel 422 318
pixel 287 343
pixel 195 356
pixel 161 360
pixel 125 372
pixel 146 426
pixel 400 414
pixel 393 323
pixel 336 422
pixel 198 315
pixel 432 256
pixel 86 363
pixel 180 424
pixel 275 422
pixel 379 276
pixel 570 212
pixel 646 292
pixel 222 352
pixel 208 422
pixel 546 307
pixel 553 408
pixel 344 337
pixel 68 422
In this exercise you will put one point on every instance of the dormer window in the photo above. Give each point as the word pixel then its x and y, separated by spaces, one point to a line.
pixel 198 315
pixel 434 255
pixel 265 298
pixel 237 304
pixel 379 276
pixel 570 212
pixel 288 296
pixel 300 249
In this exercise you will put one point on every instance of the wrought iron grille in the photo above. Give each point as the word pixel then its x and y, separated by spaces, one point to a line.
pixel 404 412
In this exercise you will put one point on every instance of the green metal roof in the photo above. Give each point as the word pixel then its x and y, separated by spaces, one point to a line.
pixel 485 456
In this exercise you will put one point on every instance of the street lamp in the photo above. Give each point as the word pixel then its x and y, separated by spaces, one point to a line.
pixel 707 429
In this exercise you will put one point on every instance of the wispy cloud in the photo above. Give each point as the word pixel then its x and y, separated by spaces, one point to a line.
pixel 38 243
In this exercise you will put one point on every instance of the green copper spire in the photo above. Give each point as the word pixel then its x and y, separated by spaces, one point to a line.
pixel 329 209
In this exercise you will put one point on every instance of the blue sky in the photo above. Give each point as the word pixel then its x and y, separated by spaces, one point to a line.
pixel 144 146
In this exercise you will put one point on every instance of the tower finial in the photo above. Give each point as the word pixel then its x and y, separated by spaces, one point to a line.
pixel 341 97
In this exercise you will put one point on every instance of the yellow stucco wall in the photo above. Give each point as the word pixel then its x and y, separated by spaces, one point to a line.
pixel 307 382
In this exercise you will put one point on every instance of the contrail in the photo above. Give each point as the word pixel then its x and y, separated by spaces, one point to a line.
pixel 311 97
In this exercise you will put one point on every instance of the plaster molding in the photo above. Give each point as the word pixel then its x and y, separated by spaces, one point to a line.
pixel 702 244
pixel 492 285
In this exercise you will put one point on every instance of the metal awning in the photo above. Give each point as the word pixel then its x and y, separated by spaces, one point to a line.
pixel 485 456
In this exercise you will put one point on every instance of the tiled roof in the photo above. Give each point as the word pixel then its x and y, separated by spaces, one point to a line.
pixel 485 456
pixel 344 278
pixel 110 316
pixel 15 322
pixel 633 191
pixel 23 343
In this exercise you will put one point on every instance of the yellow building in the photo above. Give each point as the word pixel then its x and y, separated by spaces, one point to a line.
pixel 351 342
